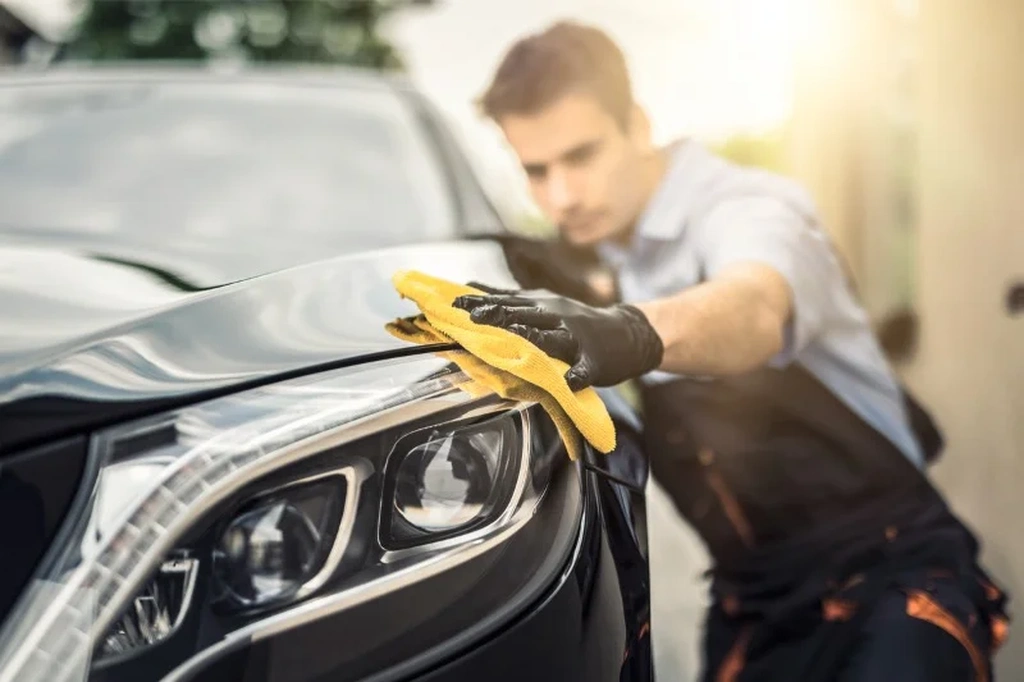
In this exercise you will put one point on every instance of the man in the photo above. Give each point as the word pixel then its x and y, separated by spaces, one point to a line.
pixel 773 419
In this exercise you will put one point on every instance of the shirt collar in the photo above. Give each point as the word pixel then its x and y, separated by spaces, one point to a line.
pixel 664 217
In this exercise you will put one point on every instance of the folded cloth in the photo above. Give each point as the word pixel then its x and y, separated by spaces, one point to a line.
pixel 496 360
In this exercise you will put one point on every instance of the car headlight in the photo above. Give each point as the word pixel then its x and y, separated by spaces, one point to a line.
pixel 447 480
pixel 250 508
pixel 285 544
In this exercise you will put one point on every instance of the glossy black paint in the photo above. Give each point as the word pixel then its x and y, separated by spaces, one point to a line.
pixel 584 630
pixel 594 623
pixel 36 491
pixel 306 318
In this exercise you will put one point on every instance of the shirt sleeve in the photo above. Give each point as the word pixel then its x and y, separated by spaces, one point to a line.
pixel 768 230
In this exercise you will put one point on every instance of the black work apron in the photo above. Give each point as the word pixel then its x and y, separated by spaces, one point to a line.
pixel 793 494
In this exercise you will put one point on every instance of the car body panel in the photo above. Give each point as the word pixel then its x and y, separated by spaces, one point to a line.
pixel 189 344
pixel 37 489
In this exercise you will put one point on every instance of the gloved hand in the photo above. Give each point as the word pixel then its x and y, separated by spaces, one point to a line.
pixel 603 346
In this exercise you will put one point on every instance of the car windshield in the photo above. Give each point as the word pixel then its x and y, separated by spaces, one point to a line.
pixel 283 173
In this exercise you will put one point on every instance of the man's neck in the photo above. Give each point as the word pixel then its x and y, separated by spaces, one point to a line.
pixel 653 172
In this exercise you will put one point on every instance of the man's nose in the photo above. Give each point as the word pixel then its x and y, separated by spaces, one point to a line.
pixel 560 195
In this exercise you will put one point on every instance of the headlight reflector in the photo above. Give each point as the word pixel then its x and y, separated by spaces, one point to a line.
pixel 453 478
pixel 279 543
pixel 157 611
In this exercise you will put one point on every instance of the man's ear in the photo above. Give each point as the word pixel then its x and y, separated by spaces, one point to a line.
pixel 640 129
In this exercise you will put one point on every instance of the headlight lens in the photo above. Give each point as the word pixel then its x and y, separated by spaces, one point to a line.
pixel 274 547
pixel 349 479
pixel 453 478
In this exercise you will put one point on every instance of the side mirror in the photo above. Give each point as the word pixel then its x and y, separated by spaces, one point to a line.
pixel 557 266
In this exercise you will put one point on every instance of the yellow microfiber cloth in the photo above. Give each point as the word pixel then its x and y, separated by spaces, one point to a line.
pixel 496 360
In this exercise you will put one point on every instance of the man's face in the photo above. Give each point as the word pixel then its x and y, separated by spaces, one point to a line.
pixel 585 171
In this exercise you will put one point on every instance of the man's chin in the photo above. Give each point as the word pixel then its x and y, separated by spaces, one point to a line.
pixel 588 236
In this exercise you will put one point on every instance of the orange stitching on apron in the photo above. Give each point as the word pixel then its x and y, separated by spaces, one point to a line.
pixel 834 609
pixel 734 661
pixel 855 579
pixel 998 625
pixel 1000 632
pixel 730 505
pixel 992 593
pixel 920 605
pixel 731 605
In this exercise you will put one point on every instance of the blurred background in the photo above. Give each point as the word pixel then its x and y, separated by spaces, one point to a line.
pixel 903 117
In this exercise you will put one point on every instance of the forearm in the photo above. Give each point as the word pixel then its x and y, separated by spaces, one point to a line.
pixel 729 325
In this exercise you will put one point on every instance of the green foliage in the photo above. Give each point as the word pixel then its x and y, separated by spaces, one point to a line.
pixel 534 225
pixel 309 31
pixel 766 151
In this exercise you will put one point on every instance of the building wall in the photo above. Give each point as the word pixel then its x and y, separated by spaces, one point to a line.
pixel 916 157
pixel 970 364
pixel 852 141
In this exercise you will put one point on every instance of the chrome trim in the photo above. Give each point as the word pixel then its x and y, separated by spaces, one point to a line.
pixel 354 474
pixel 577 550
pixel 190 567
pixel 391 556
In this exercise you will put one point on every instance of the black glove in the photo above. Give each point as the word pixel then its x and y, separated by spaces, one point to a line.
pixel 604 346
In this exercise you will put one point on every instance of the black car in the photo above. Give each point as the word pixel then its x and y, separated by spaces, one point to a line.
pixel 216 463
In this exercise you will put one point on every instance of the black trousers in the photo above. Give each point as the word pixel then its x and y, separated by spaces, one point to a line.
pixel 925 628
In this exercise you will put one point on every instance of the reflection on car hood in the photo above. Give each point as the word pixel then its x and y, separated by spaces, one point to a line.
pixel 85 340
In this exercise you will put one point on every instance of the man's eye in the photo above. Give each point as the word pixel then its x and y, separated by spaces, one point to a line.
pixel 535 172
pixel 580 156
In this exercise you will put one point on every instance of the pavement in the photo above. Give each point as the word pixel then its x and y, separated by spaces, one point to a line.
pixel 678 561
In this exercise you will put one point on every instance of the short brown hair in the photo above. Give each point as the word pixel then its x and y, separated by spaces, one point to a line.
pixel 568 56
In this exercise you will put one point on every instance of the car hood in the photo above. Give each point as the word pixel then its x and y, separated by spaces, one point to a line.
pixel 86 340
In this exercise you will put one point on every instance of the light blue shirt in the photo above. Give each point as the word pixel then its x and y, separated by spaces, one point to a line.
pixel 708 214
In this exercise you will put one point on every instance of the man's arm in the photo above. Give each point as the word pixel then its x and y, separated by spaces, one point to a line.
pixel 771 281
pixel 730 324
